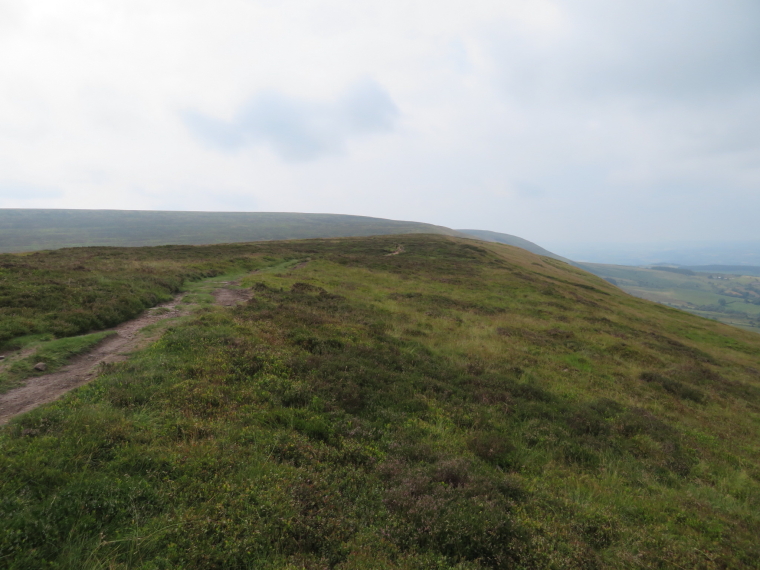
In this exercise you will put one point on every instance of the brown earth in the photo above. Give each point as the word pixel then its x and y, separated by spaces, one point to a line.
pixel 85 367
pixel 229 297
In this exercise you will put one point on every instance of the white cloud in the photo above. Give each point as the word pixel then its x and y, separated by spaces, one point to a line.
pixel 554 120
pixel 296 129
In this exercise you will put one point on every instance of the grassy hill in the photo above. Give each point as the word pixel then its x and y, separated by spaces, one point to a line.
pixel 31 230
pixel 515 241
pixel 730 298
pixel 410 401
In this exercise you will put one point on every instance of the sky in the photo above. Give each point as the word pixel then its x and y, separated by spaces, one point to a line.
pixel 565 122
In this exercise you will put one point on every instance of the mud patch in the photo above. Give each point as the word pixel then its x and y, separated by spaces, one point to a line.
pixel 231 297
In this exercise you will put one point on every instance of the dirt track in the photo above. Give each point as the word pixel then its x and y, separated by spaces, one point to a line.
pixel 83 368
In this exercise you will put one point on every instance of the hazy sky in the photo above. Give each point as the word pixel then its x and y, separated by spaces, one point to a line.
pixel 558 121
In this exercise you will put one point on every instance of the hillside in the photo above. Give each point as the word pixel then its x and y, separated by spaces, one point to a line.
pixel 515 241
pixel 409 401
pixel 32 230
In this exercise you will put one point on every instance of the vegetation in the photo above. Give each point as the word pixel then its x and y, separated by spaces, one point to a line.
pixel 730 298
pixel 73 291
pixel 53 353
pixel 29 230
pixel 456 405
pixel 514 241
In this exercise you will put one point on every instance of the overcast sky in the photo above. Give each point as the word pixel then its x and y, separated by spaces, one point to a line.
pixel 568 121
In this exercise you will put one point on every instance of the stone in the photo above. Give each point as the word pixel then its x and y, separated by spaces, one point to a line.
pixel 41 366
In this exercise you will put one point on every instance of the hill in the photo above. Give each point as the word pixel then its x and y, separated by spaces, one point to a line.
pixel 726 269
pixel 515 241
pixel 32 230
pixel 410 401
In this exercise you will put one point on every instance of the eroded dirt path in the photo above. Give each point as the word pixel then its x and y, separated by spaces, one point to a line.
pixel 83 368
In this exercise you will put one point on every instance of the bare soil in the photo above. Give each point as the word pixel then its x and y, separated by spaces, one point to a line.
pixel 84 367
pixel 229 297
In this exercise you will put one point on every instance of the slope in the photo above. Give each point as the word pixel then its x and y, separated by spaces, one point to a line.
pixel 515 241
pixel 30 230
pixel 408 401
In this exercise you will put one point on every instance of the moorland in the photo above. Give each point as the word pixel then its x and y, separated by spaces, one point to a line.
pixel 38 229
pixel 26 230
pixel 409 401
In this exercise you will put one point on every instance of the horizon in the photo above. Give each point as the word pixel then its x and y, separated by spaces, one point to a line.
pixel 745 253
pixel 559 122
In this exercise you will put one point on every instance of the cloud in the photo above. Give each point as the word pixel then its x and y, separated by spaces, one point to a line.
pixel 554 120
pixel 22 192
pixel 661 50
pixel 298 129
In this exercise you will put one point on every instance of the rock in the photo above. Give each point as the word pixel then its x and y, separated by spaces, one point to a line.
pixel 2 357
pixel 41 366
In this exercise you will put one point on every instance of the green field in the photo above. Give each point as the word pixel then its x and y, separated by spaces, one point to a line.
pixel 730 298
pixel 409 402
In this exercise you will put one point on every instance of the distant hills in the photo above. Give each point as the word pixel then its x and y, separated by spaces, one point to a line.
pixel 31 229
pixel 730 269
pixel 676 285
pixel 508 239
pixel 738 253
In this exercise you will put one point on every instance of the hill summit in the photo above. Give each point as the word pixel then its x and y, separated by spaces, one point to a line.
pixel 36 229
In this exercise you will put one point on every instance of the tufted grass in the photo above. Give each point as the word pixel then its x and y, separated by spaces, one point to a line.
pixel 458 405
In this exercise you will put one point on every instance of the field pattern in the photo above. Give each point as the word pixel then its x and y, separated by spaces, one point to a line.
pixel 733 299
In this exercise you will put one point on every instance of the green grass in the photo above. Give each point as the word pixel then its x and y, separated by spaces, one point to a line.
pixel 53 353
pixel 69 292
pixel 459 405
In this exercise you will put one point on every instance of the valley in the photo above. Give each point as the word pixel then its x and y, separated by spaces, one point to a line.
pixel 732 298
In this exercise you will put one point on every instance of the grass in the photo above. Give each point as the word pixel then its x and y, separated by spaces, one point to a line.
pixel 53 353
pixel 459 405
pixel 69 292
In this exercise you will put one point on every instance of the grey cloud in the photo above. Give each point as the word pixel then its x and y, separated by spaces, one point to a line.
pixel 676 49
pixel 299 129
pixel 646 49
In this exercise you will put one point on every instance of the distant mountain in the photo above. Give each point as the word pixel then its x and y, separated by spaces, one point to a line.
pixel 30 230
pixel 730 269
pixel 683 254
pixel 508 239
